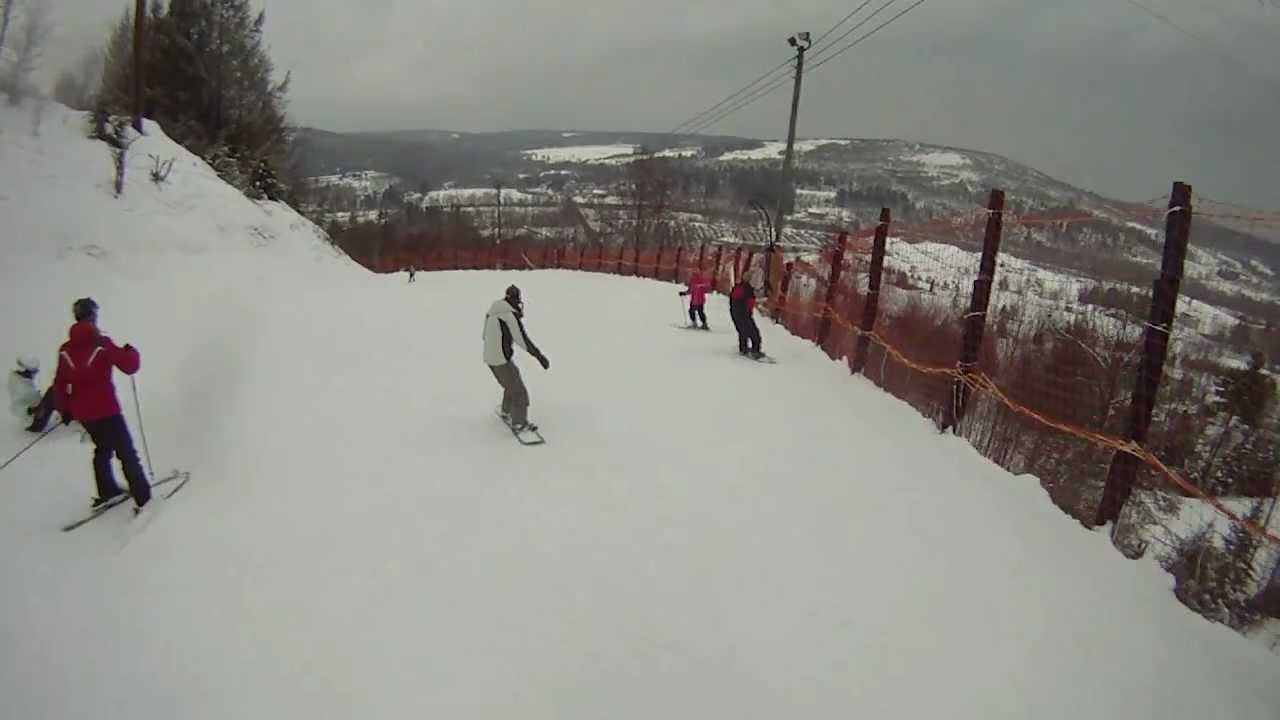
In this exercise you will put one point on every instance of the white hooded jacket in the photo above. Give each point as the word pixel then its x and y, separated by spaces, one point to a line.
pixel 502 331
pixel 23 395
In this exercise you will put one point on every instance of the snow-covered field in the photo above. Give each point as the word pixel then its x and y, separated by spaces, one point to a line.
pixel 363 182
pixel 473 196
pixel 945 164
pixel 775 149
pixel 1045 292
pixel 579 153
pixel 679 152
pixel 362 538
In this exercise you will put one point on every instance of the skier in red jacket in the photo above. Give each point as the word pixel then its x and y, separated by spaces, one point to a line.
pixel 697 292
pixel 85 393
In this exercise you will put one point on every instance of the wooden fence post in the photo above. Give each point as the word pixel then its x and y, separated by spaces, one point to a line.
pixel 622 253
pixel 715 269
pixel 702 254
pixel 833 284
pixel 737 257
pixel 975 322
pixel 782 293
pixel 657 261
pixel 675 274
pixel 1155 349
pixel 871 307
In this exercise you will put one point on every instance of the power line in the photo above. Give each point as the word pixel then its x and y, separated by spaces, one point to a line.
pixel 843 20
pixel 873 31
pixel 748 86
pixel 854 29
pixel 768 77
pixel 740 104
pixel 762 92
pixel 1208 43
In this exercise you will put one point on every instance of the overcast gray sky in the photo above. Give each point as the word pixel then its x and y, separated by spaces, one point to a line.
pixel 1091 91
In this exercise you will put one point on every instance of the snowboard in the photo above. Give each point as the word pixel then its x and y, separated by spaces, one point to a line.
pixel 691 327
pixel 765 359
pixel 524 437
pixel 175 481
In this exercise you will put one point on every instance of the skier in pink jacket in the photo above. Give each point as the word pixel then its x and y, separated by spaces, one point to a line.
pixel 697 292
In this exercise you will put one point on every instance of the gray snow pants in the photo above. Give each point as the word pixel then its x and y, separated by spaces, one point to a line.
pixel 515 397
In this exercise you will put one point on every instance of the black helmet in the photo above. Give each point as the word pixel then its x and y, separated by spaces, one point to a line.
pixel 513 294
pixel 85 309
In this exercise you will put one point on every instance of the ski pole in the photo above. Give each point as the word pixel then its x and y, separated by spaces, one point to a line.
pixel 142 430
pixel 30 445
pixel 683 312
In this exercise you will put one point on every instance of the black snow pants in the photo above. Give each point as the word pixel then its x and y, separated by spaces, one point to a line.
pixel 748 333
pixel 42 412
pixel 111 438
pixel 697 312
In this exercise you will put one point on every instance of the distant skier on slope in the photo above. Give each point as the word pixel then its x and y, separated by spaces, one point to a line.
pixel 697 292
pixel 742 305
pixel 503 329
pixel 84 391
pixel 412 272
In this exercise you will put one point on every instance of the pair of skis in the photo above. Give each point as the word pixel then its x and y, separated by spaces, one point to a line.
pixel 173 482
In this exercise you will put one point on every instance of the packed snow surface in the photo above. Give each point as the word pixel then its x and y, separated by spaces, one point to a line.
pixel 702 536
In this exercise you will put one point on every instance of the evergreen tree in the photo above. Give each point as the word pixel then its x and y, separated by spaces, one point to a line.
pixel 210 84
pixel 1244 395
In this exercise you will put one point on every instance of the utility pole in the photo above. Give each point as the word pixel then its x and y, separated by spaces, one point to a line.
pixel 4 22
pixel 498 186
pixel 139 64
pixel 802 43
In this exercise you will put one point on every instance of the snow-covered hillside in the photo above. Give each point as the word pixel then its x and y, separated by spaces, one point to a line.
pixel 703 536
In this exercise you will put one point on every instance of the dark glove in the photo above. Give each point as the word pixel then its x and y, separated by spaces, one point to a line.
pixel 66 419
pixel 32 410
pixel 683 293
pixel 129 346
pixel 546 364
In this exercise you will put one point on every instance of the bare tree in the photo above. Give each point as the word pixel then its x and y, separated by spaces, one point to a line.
pixel 78 86
pixel 4 21
pixel 648 191
pixel 28 48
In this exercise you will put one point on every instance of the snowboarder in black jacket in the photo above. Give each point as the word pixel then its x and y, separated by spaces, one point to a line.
pixel 742 305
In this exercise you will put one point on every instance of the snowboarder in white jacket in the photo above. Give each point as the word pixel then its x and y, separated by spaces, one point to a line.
pixel 503 330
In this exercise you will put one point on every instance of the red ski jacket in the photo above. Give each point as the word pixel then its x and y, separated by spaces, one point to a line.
pixel 698 289
pixel 83 389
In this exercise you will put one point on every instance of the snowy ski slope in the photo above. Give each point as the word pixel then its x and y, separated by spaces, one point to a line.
pixel 703 537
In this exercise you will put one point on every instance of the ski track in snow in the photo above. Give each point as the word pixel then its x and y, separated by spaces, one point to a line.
pixel 700 537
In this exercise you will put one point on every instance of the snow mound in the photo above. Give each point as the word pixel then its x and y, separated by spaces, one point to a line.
pixel 702 536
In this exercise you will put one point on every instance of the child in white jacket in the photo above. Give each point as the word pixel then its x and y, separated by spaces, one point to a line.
pixel 24 397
